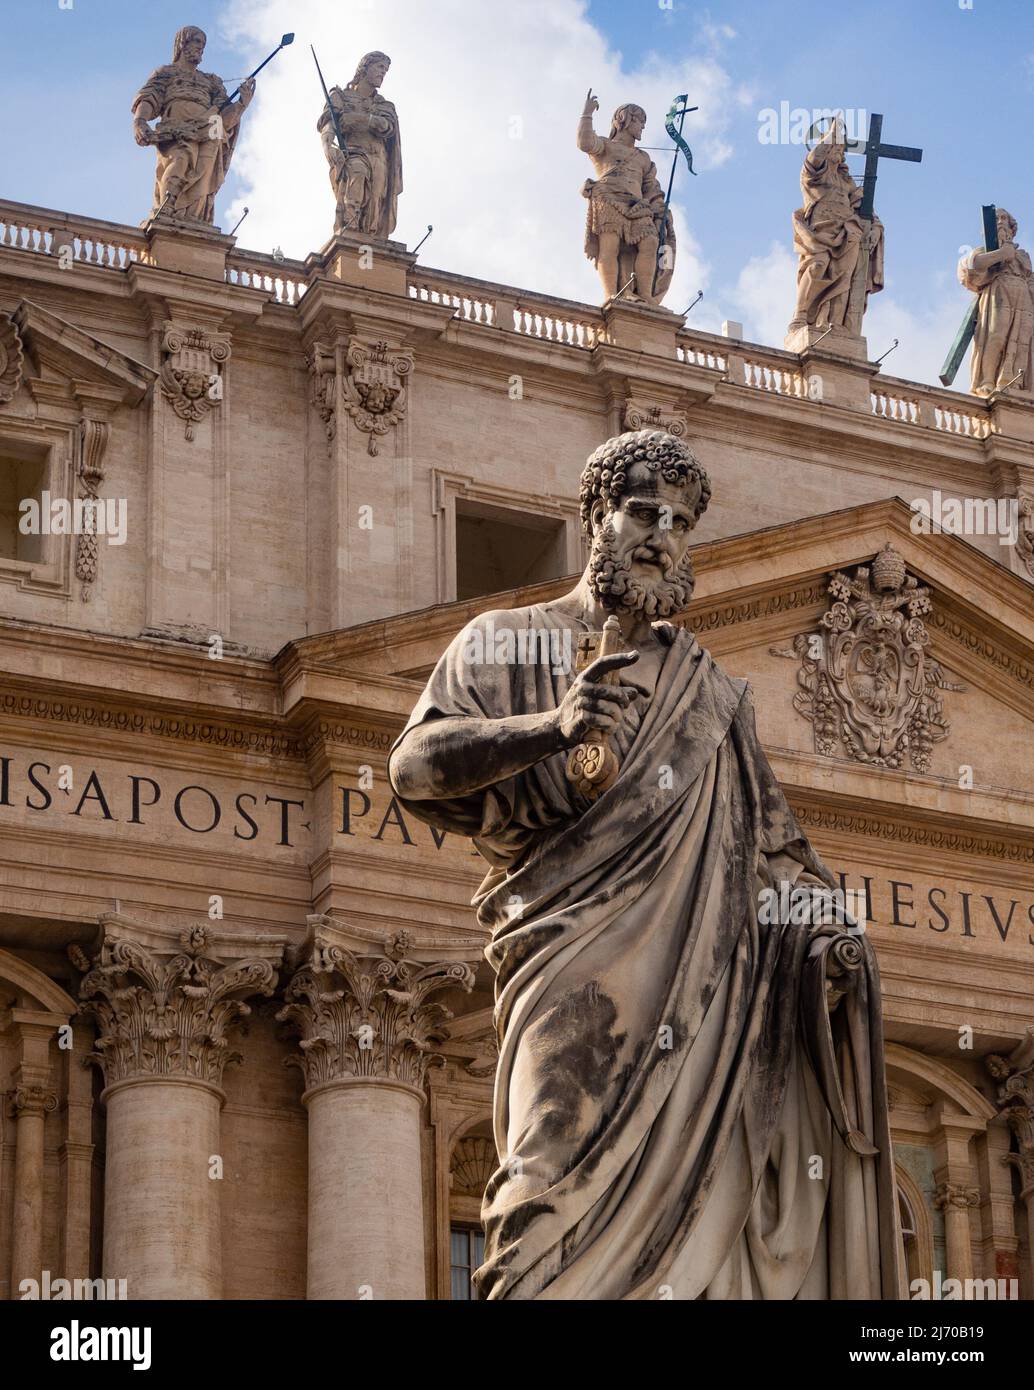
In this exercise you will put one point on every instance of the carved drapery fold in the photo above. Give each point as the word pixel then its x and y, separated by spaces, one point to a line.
pixel 866 680
pixel 369 1016
pixel 166 1014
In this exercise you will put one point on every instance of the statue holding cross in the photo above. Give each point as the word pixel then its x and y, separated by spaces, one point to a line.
pixel 837 235
pixel 1000 324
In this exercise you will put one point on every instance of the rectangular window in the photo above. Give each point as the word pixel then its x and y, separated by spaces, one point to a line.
pixel 501 548
pixel 23 471
pixel 467 1252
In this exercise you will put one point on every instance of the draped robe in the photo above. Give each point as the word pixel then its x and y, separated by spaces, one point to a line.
pixel 668 1072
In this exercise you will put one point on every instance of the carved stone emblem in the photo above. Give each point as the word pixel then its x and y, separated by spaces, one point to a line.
pixel 866 680
pixel 191 373
pixel 639 416
pixel 10 359
pixel 374 390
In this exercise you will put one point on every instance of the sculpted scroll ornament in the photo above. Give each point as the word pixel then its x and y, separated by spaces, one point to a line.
pixel 374 390
pixel 369 1016
pixel 191 372
pixel 1025 534
pixel 10 359
pixel 167 1015
pixel 639 416
pixel 1015 1097
pixel 322 383
pixel 866 680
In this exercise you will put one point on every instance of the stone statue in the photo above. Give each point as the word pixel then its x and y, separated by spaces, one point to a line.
pixel 626 208
pixel 828 236
pixel 195 135
pixel 367 179
pixel 1003 340
pixel 690 1098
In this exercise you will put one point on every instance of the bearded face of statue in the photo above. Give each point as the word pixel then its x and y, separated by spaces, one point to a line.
pixel 640 548
pixel 189 45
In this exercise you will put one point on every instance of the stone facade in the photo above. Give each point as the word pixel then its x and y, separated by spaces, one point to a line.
pixel 239 987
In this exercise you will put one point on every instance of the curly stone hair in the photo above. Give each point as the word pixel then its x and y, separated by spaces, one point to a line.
pixel 606 471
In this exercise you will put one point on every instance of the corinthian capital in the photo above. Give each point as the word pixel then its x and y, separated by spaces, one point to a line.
pixel 367 1012
pixel 164 1003
pixel 951 1194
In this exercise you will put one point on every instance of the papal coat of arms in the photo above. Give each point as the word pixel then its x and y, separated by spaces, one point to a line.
pixel 867 681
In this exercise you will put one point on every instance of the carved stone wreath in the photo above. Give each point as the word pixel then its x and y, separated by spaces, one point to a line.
pixel 11 359
pixel 866 681
pixel 374 391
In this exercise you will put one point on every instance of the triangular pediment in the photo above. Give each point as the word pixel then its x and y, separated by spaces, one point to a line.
pixel 63 360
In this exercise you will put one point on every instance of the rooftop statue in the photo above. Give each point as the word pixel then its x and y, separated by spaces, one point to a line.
pixel 1003 335
pixel 196 132
pixel 828 236
pixel 366 175
pixel 690 1100
pixel 626 208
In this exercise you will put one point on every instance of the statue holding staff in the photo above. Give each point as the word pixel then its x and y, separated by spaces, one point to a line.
pixel 366 175
pixel 196 132
pixel 627 208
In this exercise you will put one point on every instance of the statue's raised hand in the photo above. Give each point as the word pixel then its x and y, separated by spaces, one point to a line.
pixel 593 705
pixel 591 104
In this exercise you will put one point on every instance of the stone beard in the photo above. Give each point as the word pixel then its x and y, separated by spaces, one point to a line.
pixel 690 1100
pixel 617 588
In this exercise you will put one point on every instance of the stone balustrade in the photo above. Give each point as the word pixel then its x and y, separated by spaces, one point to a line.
pixel 84 240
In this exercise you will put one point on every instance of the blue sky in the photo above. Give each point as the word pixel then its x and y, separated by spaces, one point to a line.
pixel 958 81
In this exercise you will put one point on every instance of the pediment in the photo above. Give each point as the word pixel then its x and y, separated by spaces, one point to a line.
pixel 63 362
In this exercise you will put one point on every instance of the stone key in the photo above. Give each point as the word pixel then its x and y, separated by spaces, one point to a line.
pixel 592 765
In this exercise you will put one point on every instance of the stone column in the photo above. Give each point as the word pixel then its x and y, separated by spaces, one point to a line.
pixel 30 1102
pixel 955 1201
pixel 162 1003
pixel 361 1005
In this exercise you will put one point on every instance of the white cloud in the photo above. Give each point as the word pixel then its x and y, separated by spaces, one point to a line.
pixel 503 209
pixel 763 297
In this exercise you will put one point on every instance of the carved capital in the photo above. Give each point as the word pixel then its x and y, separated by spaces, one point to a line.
pixel 164 1011
pixel 951 1194
pixel 374 390
pixel 11 359
pixel 191 371
pixel 31 1098
pixel 369 1015
pixel 641 416
pixel 867 683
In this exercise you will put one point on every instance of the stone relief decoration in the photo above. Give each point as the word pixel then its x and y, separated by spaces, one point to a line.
pixel 322 382
pixel 167 1014
pixel 191 372
pixel 1025 533
pixel 639 416
pixel 473 1163
pixel 374 390
pixel 867 683
pixel 1015 1097
pixel 369 1016
pixel 11 359
pixel 93 440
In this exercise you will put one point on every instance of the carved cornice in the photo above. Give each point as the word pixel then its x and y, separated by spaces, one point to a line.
pixel 165 1013
pixel 885 826
pixel 708 615
pixel 369 1016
